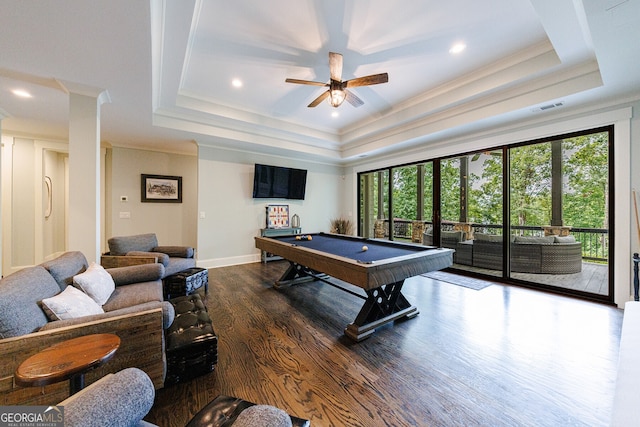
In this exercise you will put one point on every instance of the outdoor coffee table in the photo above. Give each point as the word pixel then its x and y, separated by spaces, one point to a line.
pixel 67 360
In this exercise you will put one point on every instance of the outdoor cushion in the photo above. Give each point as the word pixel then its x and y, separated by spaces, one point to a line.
pixel 564 239
pixel 452 235
pixel 546 240
pixel 496 238
pixel 96 283
pixel 69 304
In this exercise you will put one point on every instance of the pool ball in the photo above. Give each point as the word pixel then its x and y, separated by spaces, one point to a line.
pixel 365 248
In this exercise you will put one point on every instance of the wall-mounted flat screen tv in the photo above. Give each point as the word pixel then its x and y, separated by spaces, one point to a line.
pixel 275 182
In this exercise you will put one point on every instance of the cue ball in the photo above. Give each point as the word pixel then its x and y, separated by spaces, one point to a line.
pixel 365 248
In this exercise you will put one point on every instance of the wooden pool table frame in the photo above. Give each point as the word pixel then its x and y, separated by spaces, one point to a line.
pixel 381 280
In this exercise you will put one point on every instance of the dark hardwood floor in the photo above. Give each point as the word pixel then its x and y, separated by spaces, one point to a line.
pixel 502 356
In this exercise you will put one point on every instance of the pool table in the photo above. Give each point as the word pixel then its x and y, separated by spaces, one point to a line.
pixel 380 271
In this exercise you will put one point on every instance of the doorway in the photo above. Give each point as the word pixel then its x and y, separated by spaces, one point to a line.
pixel 34 201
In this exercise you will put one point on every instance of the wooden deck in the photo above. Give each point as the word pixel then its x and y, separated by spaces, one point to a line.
pixel 593 278
pixel 500 356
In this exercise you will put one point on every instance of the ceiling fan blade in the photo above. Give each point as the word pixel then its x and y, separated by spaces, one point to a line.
pixel 335 66
pixel 373 79
pixel 305 82
pixel 319 99
pixel 352 99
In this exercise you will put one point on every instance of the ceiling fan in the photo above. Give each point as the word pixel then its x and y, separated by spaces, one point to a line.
pixel 337 91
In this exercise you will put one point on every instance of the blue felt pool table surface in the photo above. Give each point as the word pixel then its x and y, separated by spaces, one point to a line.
pixel 351 247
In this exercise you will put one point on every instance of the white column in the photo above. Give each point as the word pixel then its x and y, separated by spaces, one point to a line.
pixel 84 169
pixel 2 116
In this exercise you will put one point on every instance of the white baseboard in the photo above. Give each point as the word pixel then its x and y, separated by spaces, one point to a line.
pixel 226 262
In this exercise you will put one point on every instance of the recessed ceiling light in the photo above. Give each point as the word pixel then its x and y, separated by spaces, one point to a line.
pixel 21 93
pixel 335 114
pixel 457 48
pixel 236 83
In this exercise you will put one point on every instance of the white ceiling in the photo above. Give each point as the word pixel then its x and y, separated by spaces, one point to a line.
pixel 168 66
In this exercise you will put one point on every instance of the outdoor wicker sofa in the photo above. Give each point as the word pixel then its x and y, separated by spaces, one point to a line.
pixel 537 255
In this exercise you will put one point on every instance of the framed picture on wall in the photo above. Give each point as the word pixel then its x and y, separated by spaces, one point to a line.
pixel 161 188
pixel 277 216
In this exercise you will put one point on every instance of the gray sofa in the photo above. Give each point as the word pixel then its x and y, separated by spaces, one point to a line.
pixel 174 258
pixel 135 311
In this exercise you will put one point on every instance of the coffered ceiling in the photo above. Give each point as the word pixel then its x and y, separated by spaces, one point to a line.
pixel 169 67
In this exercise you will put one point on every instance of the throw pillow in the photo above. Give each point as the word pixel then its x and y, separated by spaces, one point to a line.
pixel 69 304
pixel 96 283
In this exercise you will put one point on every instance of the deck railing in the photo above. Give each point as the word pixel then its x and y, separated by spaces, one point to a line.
pixel 595 241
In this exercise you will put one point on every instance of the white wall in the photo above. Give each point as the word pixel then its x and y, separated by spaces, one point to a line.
pixel 232 218
pixel 173 223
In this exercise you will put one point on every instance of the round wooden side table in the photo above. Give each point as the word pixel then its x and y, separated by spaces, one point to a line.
pixel 67 360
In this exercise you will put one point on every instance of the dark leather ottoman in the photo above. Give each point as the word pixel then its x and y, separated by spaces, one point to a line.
pixel 223 411
pixel 186 282
pixel 191 342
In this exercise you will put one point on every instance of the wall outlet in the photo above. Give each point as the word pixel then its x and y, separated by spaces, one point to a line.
pixel 124 198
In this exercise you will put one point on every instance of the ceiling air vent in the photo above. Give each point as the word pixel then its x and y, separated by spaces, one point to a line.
pixel 550 106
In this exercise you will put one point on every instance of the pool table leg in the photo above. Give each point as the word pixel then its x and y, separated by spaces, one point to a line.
pixel 295 274
pixel 383 305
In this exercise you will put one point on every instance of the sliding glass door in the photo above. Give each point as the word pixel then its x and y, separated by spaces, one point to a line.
pixel 559 213
pixel 534 213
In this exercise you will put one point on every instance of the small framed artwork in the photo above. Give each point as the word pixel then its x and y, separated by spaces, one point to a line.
pixel 277 216
pixel 161 188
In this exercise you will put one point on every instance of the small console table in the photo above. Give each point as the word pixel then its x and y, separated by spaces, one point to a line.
pixel 67 360
pixel 269 232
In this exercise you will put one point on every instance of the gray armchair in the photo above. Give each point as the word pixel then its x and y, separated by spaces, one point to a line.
pixel 144 248
pixel 120 399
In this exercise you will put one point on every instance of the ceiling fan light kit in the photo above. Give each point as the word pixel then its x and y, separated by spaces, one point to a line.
pixel 337 93
pixel 337 97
